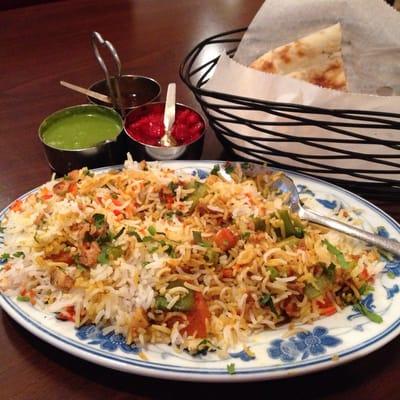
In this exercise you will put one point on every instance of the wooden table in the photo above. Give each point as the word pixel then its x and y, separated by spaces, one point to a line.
pixel 43 44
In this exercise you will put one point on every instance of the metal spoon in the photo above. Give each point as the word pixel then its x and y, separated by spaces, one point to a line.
pixel 169 116
pixel 286 185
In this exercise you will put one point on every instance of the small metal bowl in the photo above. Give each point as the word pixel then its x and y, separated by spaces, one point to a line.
pixel 108 152
pixel 139 150
pixel 135 91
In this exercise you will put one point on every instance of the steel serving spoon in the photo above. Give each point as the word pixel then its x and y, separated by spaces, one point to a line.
pixel 286 185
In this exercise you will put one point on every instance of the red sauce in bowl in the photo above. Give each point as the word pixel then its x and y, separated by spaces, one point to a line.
pixel 146 126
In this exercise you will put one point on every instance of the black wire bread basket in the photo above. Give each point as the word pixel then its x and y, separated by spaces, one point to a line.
pixel 316 154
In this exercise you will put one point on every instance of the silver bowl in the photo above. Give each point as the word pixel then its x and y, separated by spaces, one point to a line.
pixel 140 150
pixel 108 152
pixel 135 90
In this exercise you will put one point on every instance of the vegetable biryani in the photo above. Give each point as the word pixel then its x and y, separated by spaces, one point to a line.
pixel 165 257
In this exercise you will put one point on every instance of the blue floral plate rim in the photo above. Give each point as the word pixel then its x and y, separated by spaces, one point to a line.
pixel 166 371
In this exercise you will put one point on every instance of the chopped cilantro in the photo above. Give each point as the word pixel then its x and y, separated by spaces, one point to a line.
pixel 229 168
pixel 266 301
pixel 161 303
pixel 330 272
pixel 87 172
pixel 298 232
pixel 170 214
pixel 211 256
pixel 2 229
pixel 231 369
pixel 4 257
pixel 106 237
pixel 109 253
pixel 197 237
pixel 215 169
pixel 311 291
pixel 391 275
pixel 103 256
pixel 153 249
pixel 99 220
pixel 81 267
pixel 245 235
pixel 259 224
pixel 114 252
pixel 152 230
pixel 19 254
pixel 172 186
pixel 374 317
pixel 144 263
pixel 365 289
pixel 23 298
pixel 114 196
pixel 199 240
pixel 204 347
pixel 338 254
pixel 170 251
pixel 273 273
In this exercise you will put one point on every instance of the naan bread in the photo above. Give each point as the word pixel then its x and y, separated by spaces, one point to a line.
pixel 316 58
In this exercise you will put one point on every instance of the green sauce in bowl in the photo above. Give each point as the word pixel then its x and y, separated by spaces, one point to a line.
pixel 80 127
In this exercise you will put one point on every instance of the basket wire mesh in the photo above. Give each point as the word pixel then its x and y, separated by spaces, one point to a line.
pixel 253 139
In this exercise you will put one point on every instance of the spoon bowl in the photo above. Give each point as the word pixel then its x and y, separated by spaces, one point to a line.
pixel 284 184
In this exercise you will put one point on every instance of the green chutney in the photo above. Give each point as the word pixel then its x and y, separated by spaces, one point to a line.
pixel 80 127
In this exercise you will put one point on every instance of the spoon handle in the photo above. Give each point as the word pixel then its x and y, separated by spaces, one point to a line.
pixel 169 112
pixel 393 246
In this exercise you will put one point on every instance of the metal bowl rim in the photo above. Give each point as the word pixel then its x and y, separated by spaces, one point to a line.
pixel 82 106
pixel 130 76
pixel 169 147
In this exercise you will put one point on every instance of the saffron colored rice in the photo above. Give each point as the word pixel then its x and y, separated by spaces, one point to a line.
pixel 140 252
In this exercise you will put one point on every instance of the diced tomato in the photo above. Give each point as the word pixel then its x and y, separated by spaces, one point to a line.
pixel 117 212
pixel 32 295
pixel 130 210
pixel 327 311
pixel 291 307
pixel 197 317
pixel 63 257
pixel 74 175
pixel 120 217
pixel 73 188
pixel 169 199
pixel 117 202
pixel 67 315
pixel 326 306
pixel 16 206
pixel 325 302
pixel 22 292
pixel 364 274
pixel 227 272
pixel 45 194
pixel 61 188
pixel 225 239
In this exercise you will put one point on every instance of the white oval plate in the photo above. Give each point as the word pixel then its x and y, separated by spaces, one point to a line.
pixel 329 342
